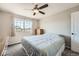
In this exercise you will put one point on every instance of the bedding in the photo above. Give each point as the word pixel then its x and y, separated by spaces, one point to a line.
pixel 42 45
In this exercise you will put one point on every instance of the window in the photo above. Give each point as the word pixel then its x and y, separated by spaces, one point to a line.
pixel 23 24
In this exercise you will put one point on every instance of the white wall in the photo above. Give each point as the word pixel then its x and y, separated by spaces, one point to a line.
pixel 4 27
pixel 59 23
pixel 5 20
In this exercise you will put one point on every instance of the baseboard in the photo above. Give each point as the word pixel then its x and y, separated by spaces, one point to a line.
pixel 75 52
pixel 14 44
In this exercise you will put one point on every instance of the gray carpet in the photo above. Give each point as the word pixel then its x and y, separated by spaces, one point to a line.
pixel 68 52
pixel 17 50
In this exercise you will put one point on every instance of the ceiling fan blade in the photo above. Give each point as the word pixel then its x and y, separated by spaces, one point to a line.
pixel 35 6
pixel 44 6
pixel 41 12
pixel 34 14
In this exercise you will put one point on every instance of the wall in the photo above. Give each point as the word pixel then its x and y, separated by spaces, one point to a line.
pixel 59 23
pixel 4 28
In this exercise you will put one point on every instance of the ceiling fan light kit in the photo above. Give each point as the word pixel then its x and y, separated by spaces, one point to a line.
pixel 37 9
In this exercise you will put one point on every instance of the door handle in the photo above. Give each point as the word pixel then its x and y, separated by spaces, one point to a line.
pixel 72 33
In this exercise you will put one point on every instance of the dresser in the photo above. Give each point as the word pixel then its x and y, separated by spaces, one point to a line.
pixel 39 31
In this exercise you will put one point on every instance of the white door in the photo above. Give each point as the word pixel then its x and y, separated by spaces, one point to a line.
pixel 75 31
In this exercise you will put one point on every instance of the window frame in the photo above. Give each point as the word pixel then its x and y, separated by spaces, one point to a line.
pixel 25 21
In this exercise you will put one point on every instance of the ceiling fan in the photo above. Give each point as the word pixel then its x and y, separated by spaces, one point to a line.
pixel 37 9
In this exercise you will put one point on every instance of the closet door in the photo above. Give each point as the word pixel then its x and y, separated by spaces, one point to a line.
pixel 75 31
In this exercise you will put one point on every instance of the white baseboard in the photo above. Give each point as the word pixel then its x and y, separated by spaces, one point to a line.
pixel 14 43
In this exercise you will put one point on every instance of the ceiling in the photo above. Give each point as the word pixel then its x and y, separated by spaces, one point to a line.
pixel 21 8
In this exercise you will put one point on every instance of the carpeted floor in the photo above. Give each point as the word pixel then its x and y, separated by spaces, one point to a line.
pixel 68 52
pixel 17 50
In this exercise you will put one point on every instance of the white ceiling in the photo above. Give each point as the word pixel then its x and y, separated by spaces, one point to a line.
pixel 20 8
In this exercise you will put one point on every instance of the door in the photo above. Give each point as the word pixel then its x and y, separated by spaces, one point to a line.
pixel 75 31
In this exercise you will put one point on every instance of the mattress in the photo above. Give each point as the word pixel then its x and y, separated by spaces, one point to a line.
pixel 42 45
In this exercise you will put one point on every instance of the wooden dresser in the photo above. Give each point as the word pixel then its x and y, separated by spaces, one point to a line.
pixel 39 31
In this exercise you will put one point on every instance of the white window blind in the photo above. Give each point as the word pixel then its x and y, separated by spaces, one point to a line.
pixel 23 24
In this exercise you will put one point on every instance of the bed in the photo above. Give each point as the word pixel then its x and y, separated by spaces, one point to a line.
pixel 43 45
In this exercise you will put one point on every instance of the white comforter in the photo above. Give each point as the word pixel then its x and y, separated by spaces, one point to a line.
pixel 47 44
